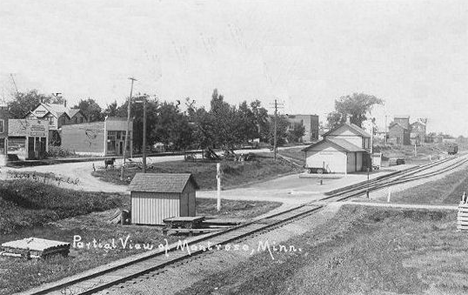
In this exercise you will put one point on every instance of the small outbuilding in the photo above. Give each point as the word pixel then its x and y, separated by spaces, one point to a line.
pixel 157 196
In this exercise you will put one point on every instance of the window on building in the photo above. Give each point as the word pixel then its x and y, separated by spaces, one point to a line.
pixel 2 126
pixel 112 135
pixel 51 120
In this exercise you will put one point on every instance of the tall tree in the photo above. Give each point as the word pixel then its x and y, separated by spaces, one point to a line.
pixel 91 109
pixel 261 120
pixel 23 103
pixel 136 113
pixel 112 110
pixel 223 120
pixel 296 133
pixel 282 125
pixel 172 127
pixel 356 107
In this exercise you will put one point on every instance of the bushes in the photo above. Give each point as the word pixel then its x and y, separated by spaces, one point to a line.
pixel 25 203
pixel 58 152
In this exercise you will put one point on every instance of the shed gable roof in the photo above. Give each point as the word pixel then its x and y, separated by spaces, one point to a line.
pixel 161 182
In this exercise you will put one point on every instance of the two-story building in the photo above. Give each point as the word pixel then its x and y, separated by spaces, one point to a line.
pixel 4 117
pixel 310 123
pixel 418 131
pixel 344 149
pixel 401 132
pixel 57 115
pixel 398 134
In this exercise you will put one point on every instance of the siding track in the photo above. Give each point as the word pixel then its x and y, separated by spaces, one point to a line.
pixel 133 271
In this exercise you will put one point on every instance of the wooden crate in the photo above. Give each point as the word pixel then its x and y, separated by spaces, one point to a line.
pixel 462 216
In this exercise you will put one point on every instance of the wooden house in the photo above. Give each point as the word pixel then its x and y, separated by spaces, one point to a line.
pixel 418 131
pixel 58 115
pixel 398 134
pixel 156 196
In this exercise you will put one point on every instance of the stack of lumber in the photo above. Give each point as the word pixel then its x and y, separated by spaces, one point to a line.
pixel 34 248
pixel 462 217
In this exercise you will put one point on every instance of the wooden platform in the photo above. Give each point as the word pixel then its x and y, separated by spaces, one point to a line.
pixel 178 223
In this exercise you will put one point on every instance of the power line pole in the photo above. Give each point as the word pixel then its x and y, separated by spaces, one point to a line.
pixel 275 135
pixel 275 140
pixel 14 83
pixel 144 134
pixel 386 131
pixel 122 171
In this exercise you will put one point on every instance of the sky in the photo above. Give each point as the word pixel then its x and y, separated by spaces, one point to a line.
pixel 412 54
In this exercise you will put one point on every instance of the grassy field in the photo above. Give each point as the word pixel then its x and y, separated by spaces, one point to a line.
pixel 365 250
pixel 360 251
pixel 295 153
pixel 447 190
pixel 25 203
pixel 31 209
pixel 234 173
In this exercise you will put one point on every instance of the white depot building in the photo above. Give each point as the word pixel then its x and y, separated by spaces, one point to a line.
pixel 343 150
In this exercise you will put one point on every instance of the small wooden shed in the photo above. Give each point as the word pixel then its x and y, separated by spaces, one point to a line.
pixel 156 196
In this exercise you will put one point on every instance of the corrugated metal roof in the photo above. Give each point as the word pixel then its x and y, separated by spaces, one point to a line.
pixel 161 182
pixel 340 143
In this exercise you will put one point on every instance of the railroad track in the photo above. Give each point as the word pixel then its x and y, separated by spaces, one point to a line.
pixel 155 262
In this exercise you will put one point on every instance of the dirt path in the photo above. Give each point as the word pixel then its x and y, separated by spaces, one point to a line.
pixel 407 206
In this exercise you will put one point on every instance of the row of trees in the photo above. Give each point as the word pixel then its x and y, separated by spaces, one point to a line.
pixel 221 126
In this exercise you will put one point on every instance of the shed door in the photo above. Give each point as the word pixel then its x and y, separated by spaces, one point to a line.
pixel 192 204
pixel 184 204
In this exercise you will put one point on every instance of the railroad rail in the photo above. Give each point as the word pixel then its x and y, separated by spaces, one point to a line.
pixel 156 261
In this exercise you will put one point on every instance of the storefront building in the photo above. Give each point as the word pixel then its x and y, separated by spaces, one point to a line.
pixel 4 116
pixel 98 138
pixel 28 139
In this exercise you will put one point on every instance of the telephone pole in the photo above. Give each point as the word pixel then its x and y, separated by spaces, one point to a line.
pixel 275 135
pixel 14 83
pixel 144 134
pixel 275 140
pixel 122 171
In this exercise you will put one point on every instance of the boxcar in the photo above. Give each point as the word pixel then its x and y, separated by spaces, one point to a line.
pixel 453 149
